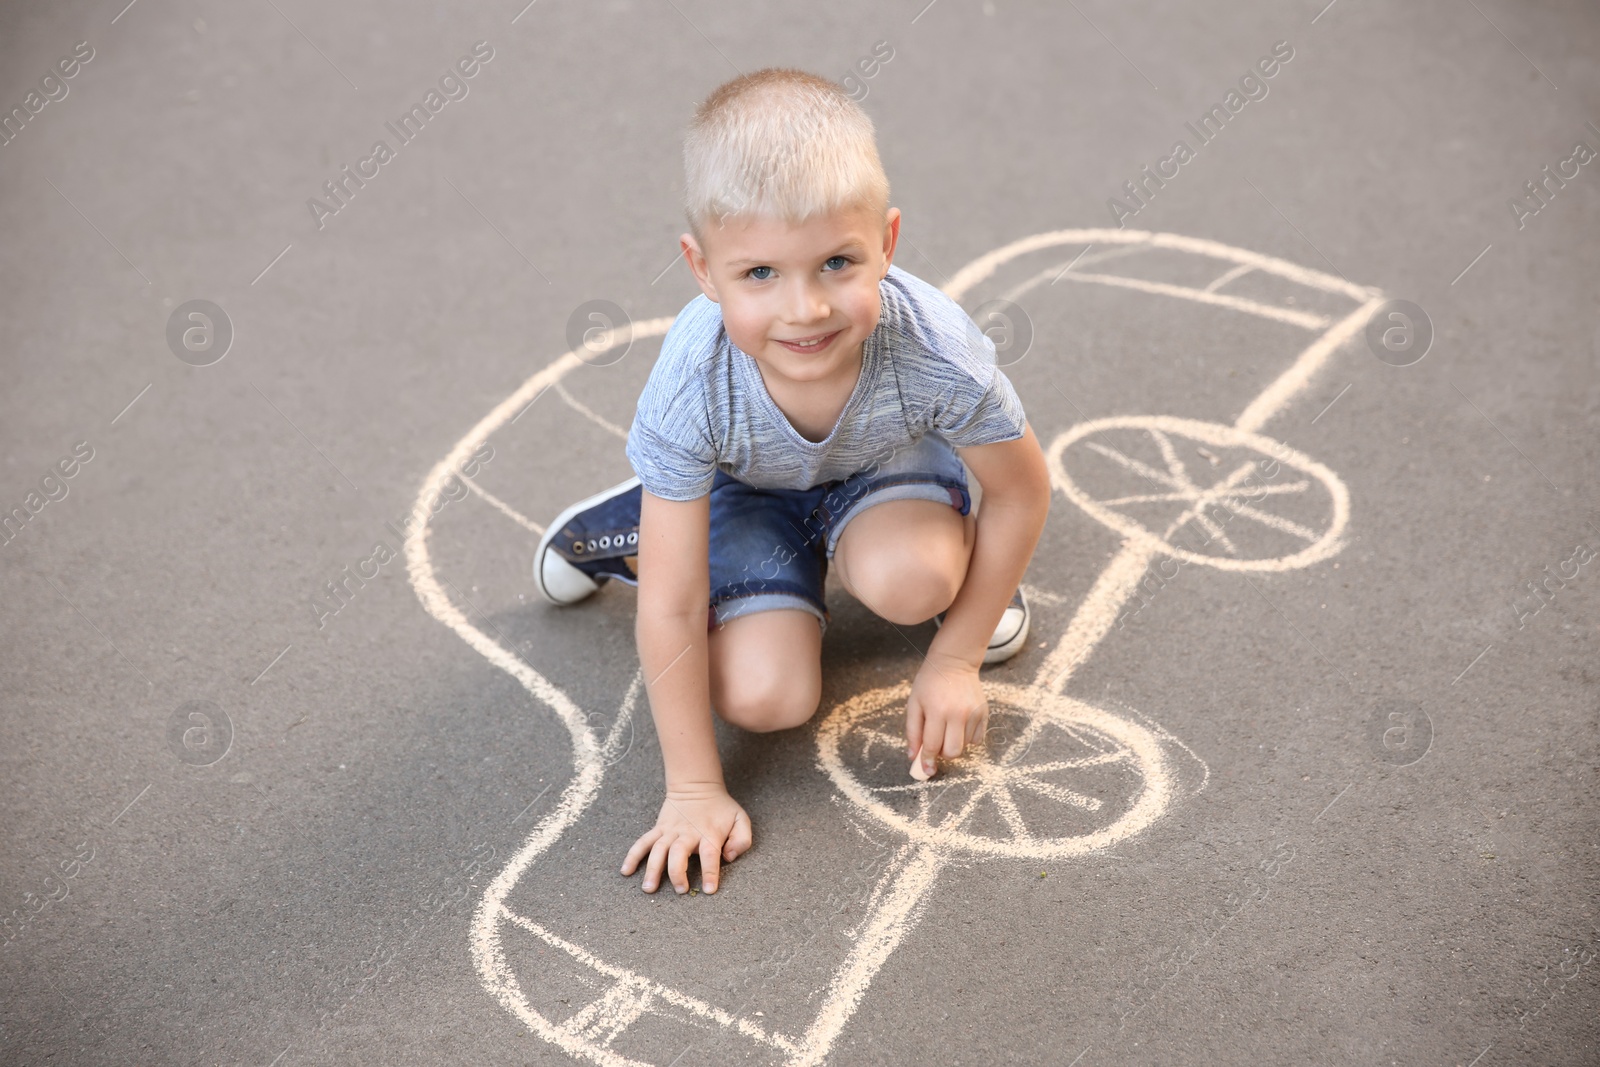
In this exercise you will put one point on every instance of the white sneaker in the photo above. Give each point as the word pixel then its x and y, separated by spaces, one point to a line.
pixel 1010 633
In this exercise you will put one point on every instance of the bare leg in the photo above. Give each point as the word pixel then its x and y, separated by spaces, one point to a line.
pixel 906 559
pixel 766 669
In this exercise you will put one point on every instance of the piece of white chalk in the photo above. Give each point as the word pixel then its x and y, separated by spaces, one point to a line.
pixel 917 772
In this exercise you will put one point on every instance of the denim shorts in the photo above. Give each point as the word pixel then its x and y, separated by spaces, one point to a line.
pixel 770 547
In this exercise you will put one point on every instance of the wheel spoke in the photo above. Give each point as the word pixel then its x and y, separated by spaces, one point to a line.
pixel 1056 792
pixel 1175 466
pixel 1275 490
pixel 950 778
pixel 1209 526
pixel 1001 796
pixel 1070 764
pixel 959 817
pixel 1134 465
pixel 1277 522
pixel 869 735
pixel 1147 498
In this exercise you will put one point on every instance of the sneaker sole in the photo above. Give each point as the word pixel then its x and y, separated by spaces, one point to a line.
pixel 561 521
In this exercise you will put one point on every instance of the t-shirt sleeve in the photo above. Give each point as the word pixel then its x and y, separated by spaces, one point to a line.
pixel 979 406
pixel 951 382
pixel 670 444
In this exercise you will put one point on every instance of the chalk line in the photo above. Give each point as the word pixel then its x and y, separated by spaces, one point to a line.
pixel 904 903
pixel 1224 279
pixel 589 413
pixel 987 264
pixel 1208 295
pixel 1305 319
pixel 1095 616
pixel 1277 396
pixel 1054 273
pixel 612 1006
pixel 504 508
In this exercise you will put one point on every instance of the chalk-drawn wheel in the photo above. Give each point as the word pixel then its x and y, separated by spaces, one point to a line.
pixel 1202 492
pixel 1056 777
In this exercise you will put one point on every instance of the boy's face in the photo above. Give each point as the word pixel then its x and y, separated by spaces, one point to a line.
pixel 779 284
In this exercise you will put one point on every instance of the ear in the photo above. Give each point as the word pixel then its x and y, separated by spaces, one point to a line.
pixel 891 237
pixel 697 264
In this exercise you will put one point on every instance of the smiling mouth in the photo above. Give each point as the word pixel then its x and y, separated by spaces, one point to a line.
pixel 811 344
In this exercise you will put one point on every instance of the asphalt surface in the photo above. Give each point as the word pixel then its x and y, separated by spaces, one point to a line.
pixel 1376 840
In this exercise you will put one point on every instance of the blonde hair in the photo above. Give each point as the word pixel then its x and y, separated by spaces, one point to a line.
pixel 783 144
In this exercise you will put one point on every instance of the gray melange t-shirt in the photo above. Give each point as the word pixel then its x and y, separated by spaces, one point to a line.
pixel 925 368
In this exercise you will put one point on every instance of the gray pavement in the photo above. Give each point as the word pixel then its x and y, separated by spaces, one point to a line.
pixel 1339 809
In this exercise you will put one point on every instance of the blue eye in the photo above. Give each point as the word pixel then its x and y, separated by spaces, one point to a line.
pixel 843 262
pixel 751 273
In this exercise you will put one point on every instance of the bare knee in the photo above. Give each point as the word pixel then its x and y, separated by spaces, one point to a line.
pixel 763 702
pixel 905 585
pixel 766 670
pixel 906 560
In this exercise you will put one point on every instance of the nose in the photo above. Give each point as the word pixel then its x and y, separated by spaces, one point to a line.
pixel 807 302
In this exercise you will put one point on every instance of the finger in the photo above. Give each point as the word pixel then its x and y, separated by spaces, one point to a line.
pixel 925 765
pixel 978 725
pixel 640 849
pixel 739 840
pixel 953 731
pixel 708 864
pixel 932 739
pixel 678 865
pixel 913 727
pixel 652 869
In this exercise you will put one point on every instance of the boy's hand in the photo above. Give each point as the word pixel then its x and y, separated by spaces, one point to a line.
pixel 701 820
pixel 947 711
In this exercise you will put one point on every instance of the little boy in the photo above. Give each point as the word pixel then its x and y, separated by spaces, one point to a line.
pixel 801 413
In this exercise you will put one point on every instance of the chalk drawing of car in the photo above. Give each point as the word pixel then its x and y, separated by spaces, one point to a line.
pixel 1060 778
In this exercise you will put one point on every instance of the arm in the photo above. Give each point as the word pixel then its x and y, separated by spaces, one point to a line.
pixel 947 709
pixel 698 816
